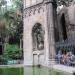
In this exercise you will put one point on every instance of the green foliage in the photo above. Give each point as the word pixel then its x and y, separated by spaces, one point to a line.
pixel 12 18
pixel 3 2
pixel 14 22
pixel 3 60
pixel 11 71
pixel 64 2
pixel 12 52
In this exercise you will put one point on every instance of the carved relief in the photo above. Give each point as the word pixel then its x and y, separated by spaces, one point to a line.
pixel 33 10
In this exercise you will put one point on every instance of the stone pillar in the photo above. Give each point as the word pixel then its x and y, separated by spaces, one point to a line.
pixel 50 23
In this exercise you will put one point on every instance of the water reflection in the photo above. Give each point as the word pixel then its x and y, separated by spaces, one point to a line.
pixel 11 71
pixel 41 71
pixel 29 71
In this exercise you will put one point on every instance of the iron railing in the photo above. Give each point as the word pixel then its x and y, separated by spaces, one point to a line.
pixel 67 45
pixel 66 48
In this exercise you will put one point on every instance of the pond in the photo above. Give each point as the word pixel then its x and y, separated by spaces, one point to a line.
pixel 29 71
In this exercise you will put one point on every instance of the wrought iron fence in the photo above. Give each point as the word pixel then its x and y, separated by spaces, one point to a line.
pixel 65 52
pixel 68 45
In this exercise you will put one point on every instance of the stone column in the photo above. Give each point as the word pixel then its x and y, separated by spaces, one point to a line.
pixel 50 23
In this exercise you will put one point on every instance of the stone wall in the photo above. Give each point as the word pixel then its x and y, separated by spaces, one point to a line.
pixel 32 16
pixel 42 13
pixel 69 16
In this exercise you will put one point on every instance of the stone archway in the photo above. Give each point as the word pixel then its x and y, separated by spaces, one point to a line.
pixel 38 43
pixel 38 37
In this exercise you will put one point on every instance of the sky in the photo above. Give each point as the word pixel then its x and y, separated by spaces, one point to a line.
pixel 9 3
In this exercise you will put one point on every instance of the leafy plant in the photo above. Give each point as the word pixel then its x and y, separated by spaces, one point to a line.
pixel 12 52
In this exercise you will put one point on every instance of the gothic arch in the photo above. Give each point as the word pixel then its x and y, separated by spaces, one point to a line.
pixel 63 26
pixel 38 37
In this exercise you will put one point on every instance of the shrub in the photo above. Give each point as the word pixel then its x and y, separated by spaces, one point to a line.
pixel 12 52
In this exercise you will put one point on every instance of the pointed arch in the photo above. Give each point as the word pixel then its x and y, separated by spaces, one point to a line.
pixel 63 25
pixel 38 37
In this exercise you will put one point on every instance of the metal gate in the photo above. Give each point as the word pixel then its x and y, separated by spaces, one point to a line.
pixel 67 45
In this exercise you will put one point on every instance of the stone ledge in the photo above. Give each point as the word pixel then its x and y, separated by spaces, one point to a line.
pixel 38 52
pixel 66 69
pixel 12 66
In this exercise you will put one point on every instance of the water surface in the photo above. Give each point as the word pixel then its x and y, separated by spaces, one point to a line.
pixel 29 71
